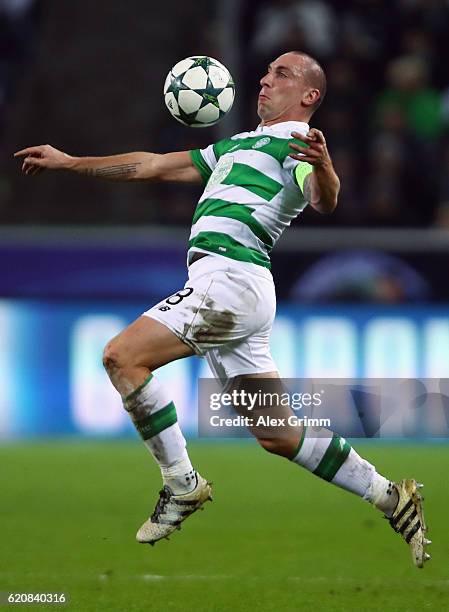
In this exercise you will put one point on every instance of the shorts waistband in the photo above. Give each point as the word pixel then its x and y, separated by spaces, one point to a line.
pixel 205 262
pixel 196 256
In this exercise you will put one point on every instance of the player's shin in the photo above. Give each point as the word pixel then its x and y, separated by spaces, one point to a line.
pixel 331 457
pixel 154 416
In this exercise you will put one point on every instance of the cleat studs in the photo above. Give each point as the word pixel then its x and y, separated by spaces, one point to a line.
pixel 427 557
pixel 427 542
pixel 210 498
pixel 419 485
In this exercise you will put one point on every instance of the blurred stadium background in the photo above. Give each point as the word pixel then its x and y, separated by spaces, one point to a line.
pixel 362 292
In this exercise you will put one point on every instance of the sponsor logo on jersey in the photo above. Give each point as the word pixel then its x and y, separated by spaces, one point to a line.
pixel 261 143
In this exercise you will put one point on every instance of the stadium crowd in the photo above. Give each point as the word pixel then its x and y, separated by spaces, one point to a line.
pixel 19 20
pixel 385 118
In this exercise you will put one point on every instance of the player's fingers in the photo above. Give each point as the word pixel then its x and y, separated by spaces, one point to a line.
pixel 303 137
pixel 316 135
pixel 304 150
pixel 303 158
pixel 29 151
pixel 22 153
pixel 317 147
pixel 28 168
pixel 35 161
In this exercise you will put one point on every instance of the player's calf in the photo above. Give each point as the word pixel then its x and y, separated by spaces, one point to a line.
pixel 284 447
pixel 331 457
pixel 129 359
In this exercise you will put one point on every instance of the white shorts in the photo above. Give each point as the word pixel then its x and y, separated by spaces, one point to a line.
pixel 225 311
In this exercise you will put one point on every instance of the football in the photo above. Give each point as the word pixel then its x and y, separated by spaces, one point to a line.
pixel 199 91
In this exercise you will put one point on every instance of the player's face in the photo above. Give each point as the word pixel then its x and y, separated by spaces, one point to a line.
pixel 282 90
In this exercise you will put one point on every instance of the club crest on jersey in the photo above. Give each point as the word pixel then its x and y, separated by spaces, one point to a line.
pixel 261 143
pixel 222 169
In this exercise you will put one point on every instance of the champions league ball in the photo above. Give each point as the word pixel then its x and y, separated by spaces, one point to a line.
pixel 199 91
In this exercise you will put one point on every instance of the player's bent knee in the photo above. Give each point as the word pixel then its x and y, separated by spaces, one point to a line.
pixel 112 357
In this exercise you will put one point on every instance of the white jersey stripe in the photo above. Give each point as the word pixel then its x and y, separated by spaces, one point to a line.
pixel 262 162
pixel 237 195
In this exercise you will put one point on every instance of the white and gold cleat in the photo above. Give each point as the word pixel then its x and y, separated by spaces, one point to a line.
pixel 171 510
pixel 408 520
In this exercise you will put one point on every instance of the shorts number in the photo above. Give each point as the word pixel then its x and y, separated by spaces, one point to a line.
pixel 176 298
pixel 179 296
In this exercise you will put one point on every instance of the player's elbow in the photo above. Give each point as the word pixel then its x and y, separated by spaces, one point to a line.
pixel 147 167
pixel 154 167
pixel 326 206
pixel 330 206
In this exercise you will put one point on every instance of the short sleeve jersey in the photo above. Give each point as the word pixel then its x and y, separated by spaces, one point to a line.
pixel 253 191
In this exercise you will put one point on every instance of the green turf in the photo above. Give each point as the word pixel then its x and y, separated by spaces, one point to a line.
pixel 275 538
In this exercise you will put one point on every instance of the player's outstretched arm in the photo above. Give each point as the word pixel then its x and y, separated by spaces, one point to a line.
pixel 140 166
pixel 322 186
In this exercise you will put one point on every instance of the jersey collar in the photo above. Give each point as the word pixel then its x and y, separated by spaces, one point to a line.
pixel 284 129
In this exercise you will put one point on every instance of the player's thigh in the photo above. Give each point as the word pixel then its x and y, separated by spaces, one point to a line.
pixel 145 343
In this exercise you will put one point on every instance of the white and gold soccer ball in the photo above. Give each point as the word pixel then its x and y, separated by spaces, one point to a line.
pixel 199 91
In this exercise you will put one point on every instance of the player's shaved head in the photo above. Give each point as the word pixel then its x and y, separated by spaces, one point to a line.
pixel 314 75
pixel 292 89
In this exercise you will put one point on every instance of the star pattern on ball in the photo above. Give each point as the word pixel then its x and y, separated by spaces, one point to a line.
pixel 203 62
pixel 209 94
pixel 177 85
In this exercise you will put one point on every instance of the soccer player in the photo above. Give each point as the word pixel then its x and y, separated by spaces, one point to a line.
pixel 255 184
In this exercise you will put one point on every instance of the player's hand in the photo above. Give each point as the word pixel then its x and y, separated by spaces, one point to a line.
pixel 315 153
pixel 43 157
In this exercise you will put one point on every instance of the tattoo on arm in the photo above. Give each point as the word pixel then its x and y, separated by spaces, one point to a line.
pixel 113 172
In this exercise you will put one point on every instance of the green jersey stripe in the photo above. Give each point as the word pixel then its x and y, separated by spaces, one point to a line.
pixel 222 244
pixel 333 459
pixel 200 164
pixel 262 162
pixel 240 212
pixel 231 227
pixel 153 424
pixel 252 192
pixel 253 180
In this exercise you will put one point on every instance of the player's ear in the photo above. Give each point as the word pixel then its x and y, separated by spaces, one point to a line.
pixel 311 97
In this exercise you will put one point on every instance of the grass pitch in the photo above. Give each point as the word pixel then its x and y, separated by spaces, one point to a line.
pixel 274 539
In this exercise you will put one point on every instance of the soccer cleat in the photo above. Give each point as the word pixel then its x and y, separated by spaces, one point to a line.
pixel 171 510
pixel 408 520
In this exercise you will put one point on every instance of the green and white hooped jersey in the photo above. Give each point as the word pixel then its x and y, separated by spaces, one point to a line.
pixel 253 191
